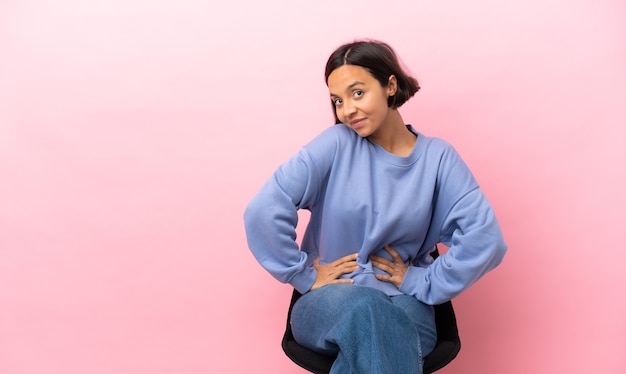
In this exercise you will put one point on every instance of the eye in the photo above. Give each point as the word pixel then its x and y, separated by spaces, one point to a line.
pixel 337 101
pixel 358 93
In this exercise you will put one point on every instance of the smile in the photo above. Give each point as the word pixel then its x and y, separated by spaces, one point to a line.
pixel 357 123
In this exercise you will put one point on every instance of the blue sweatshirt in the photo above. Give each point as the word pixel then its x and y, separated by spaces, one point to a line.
pixel 362 198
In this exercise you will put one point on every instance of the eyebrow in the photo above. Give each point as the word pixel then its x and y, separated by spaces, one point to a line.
pixel 355 83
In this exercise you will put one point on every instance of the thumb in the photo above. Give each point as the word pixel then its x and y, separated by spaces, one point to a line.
pixel 316 262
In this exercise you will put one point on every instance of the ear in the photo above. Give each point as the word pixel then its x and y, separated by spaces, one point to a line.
pixel 392 85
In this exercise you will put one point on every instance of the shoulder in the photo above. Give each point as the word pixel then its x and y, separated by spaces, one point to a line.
pixel 331 140
pixel 436 147
pixel 434 143
pixel 333 135
pixel 330 147
pixel 449 163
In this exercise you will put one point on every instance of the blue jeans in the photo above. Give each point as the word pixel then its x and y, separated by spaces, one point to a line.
pixel 369 331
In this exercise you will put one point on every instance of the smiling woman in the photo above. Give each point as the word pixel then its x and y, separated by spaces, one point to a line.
pixel 361 104
pixel 381 196
pixel 367 86
pixel 381 63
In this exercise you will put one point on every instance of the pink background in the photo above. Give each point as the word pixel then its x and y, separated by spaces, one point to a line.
pixel 133 133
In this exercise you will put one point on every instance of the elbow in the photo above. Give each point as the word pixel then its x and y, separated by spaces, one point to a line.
pixel 499 250
pixel 251 213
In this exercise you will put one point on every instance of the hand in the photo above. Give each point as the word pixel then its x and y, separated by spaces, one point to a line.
pixel 330 273
pixel 396 268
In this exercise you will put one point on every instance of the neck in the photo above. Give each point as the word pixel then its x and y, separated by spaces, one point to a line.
pixel 393 136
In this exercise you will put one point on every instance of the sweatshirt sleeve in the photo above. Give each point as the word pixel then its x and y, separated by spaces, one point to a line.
pixel 271 216
pixel 464 221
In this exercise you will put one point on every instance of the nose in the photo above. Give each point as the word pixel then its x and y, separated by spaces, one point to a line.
pixel 348 109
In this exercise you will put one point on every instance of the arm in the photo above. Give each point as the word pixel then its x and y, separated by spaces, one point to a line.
pixel 271 218
pixel 475 245
pixel 463 220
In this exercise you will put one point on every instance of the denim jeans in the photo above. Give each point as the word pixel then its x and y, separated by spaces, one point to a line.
pixel 369 331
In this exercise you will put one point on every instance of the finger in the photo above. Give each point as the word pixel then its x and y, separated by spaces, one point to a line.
pixel 384 267
pixel 346 267
pixel 348 258
pixel 396 257
pixel 380 259
pixel 349 268
pixel 381 262
pixel 384 278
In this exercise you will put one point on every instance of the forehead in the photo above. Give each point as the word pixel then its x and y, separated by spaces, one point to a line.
pixel 345 76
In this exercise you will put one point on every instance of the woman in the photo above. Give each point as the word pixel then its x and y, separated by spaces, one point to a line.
pixel 381 196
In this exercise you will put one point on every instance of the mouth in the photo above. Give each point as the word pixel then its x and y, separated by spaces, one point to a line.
pixel 357 123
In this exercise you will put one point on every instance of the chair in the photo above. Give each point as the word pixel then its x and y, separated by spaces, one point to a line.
pixel 447 347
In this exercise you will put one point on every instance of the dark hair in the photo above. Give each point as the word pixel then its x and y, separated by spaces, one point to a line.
pixel 380 60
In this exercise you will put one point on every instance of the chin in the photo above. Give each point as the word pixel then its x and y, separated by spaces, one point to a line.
pixel 363 133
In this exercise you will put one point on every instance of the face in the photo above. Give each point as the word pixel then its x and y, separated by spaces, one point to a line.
pixel 359 99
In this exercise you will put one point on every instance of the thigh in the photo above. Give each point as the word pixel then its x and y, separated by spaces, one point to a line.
pixel 317 313
pixel 422 316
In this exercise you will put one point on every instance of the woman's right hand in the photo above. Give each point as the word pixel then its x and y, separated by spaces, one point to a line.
pixel 330 273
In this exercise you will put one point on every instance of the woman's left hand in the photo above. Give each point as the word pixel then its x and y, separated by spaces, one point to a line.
pixel 396 268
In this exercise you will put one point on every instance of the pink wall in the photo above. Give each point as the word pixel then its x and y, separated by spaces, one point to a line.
pixel 132 134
